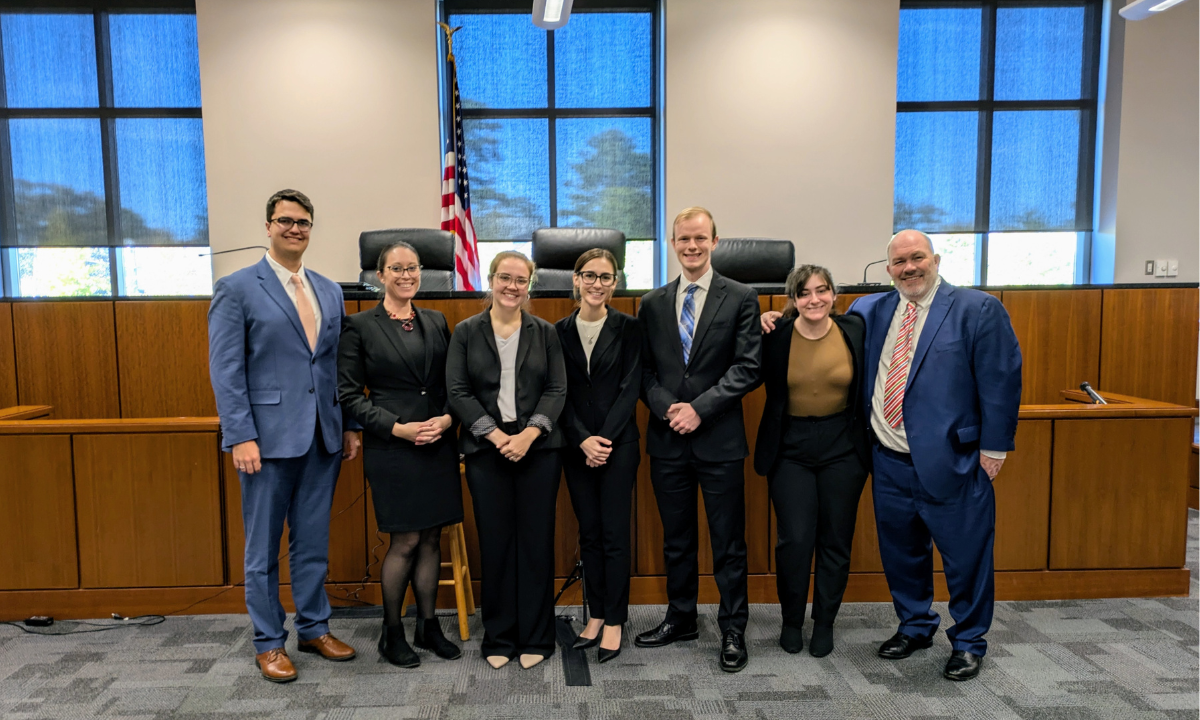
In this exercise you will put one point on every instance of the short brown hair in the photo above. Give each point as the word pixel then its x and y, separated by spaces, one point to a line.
pixel 589 256
pixel 798 278
pixel 294 196
pixel 689 213
pixel 507 255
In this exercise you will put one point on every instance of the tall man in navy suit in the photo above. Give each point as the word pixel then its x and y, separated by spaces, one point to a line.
pixel 943 379
pixel 273 332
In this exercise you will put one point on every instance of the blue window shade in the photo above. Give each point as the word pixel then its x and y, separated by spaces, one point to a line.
pixel 603 60
pixel 1039 53
pixel 1035 169
pixel 936 155
pixel 161 170
pixel 939 54
pixel 509 176
pixel 58 182
pixel 155 60
pixel 605 174
pixel 501 61
pixel 50 60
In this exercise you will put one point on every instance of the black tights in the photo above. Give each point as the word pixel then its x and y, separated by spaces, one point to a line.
pixel 414 557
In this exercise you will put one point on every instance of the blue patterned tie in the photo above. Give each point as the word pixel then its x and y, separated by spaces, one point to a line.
pixel 687 321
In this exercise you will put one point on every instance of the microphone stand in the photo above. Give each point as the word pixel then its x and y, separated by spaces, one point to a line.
pixel 864 280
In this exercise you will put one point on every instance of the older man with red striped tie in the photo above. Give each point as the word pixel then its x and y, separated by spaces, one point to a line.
pixel 943 372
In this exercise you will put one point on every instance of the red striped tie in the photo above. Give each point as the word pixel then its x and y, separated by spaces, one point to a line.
pixel 897 377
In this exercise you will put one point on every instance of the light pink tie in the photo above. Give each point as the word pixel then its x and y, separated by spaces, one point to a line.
pixel 307 317
pixel 897 377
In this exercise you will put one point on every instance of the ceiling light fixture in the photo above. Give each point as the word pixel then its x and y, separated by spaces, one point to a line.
pixel 1142 9
pixel 553 14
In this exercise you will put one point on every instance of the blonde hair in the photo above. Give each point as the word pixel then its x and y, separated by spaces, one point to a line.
pixel 587 257
pixel 691 212
pixel 510 255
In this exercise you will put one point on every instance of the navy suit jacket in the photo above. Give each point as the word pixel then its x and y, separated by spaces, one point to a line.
pixel 270 386
pixel 964 384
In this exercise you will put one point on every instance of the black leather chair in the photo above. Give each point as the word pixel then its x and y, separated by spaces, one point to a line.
pixel 555 251
pixel 435 247
pixel 758 262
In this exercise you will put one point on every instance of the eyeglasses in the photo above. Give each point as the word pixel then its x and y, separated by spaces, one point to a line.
pixel 507 279
pixel 589 277
pixel 410 270
pixel 286 223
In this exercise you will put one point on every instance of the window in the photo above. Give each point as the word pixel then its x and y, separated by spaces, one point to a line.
pixel 102 185
pixel 560 126
pixel 995 136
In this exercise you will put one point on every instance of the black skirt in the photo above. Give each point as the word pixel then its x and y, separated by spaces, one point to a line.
pixel 414 487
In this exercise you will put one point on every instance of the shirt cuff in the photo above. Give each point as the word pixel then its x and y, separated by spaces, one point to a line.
pixel 994 454
pixel 481 427
pixel 539 420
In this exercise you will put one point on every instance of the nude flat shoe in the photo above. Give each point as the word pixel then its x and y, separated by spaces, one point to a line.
pixel 528 661
pixel 497 661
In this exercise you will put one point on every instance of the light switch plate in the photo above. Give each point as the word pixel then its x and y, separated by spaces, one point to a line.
pixel 1149 267
pixel 1160 268
pixel 1172 268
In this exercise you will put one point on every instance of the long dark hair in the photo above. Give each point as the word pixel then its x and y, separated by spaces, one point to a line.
pixel 586 258
pixel 798 278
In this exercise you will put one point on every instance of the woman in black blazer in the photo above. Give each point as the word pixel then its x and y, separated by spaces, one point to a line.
pixel 603 352
pixel 398 352
pixel 812 446
pixel 507 386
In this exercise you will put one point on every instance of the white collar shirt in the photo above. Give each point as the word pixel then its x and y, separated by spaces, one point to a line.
pixel 701 294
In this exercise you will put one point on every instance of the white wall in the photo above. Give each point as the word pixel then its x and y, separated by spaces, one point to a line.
pixel 336 99
pixel 1158 185
pixel 780 119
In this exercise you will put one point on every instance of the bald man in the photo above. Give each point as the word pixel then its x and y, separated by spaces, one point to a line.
pixel 943 379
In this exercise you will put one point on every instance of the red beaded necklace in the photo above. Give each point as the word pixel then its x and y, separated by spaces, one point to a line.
pixel 405 322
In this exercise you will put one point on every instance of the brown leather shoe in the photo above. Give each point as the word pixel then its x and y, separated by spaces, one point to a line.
pixel 328 647
pixel 276 666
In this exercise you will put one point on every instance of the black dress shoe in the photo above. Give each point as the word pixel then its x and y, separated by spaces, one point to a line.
pixel 667 633
pixel 428 636
pixel 604 654
pixel 733 652
pixel 962 665
pixel 395 648
pixel 582 643
pixel 791 639
pixel 821 642
pixel 900 646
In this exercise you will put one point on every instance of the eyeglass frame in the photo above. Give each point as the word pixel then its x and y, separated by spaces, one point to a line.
pixel 406 270
pixel 597 277
pixel 511 280
pixel 287 223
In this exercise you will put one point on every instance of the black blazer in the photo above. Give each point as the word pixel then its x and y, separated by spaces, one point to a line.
pixel 403 388
pixel 777 347
pixel 724 366
pixel 603 401
pixel 473 378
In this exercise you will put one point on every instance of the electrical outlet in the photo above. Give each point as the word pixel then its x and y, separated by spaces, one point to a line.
pixel 1160 268
pixel 1172 268
pixel 1149 267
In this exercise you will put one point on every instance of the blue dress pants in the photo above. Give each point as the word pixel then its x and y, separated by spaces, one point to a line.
pixel 964 528
pixel 300 490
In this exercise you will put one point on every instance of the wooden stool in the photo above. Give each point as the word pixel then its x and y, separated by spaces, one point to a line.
pixel 460 578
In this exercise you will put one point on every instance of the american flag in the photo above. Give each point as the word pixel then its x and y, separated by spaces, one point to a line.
pixel 456 197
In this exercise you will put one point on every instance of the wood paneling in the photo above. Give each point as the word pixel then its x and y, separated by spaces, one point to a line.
pixel 67 357
pixel 1023 499
pixel 1149 343
pixel 8 358
pixel 149 510
pixel 566 533
pixel 37 515
pixel 1119 499
pixel 843 302
pixel 864 553
pixel 163 351
pixel 648 550
pixel 1059 333
pixel 25 412
pixel 455 310
pixel 1193 479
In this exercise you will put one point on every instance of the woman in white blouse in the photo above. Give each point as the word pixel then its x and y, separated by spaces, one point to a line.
pixel 507 385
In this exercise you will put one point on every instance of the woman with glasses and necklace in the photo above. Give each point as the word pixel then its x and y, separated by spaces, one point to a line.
pixel 397 351
pixel 507 385
pixel 602 348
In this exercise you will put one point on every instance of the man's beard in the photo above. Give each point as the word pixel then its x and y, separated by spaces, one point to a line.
pixel 919 293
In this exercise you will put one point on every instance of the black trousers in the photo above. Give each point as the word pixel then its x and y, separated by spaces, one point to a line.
pixel 723 486
pixel 815 486
pixel 514 513
pixel 603 500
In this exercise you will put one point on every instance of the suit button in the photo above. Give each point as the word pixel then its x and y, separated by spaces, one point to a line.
pixel 687 375
pixel 314 361
pixel 310 391
pixel 422 391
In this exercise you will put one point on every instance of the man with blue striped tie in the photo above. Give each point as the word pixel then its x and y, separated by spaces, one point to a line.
pixel 701 354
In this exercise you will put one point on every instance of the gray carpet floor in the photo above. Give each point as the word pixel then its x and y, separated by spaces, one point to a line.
pixel 1061 660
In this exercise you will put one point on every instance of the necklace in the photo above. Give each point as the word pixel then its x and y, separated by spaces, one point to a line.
pixel 405 322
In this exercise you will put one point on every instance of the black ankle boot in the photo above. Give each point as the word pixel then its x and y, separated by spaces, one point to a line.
pixel 394 647
pixel 429 637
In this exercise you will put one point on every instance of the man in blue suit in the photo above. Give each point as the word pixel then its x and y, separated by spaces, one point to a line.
pixel 943 379
pixel 273 332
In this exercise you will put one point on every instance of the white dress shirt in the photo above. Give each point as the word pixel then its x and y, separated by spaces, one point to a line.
pixel 285 277
pixel 698 297
pixel 890 437
pixel 506 401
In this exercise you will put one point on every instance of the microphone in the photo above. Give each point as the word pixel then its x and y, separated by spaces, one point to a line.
pixel 1087 388
pixel 864 282
pixel 222 252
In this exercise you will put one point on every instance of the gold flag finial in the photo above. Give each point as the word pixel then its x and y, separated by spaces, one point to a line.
pixel 449 39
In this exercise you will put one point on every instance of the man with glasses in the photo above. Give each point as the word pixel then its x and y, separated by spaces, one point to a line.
pixel 273 333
